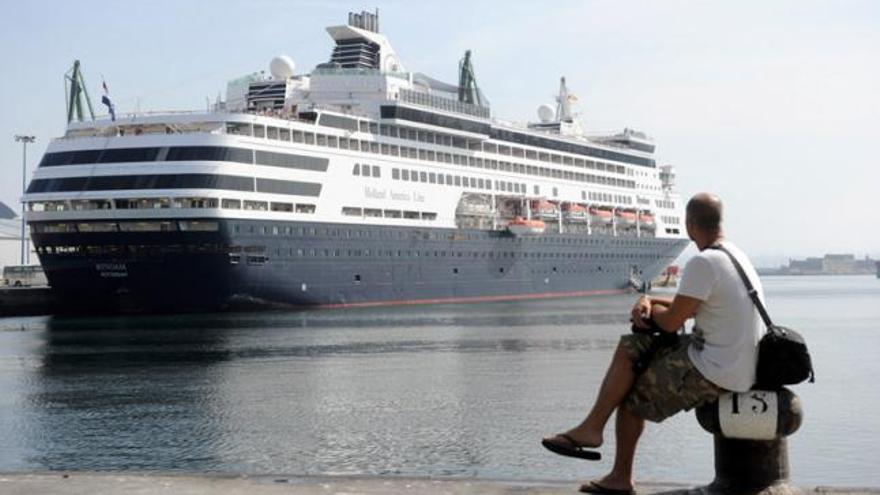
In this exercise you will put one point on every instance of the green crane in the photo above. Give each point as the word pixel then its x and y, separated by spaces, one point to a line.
pixel 467 82
pixel 74 89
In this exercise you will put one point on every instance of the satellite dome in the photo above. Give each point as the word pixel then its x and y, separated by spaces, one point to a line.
pixel 282 67
pixel 546 113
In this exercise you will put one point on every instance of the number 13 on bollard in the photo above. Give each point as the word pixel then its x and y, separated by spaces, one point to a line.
pixel 749 415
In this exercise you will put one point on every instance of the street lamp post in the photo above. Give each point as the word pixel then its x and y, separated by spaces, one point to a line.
pixel 24 140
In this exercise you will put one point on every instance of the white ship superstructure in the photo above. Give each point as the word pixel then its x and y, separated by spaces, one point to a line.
pixel 356 183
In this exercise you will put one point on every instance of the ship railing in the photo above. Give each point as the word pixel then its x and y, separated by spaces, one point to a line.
pixel 592 138
pixel 341 71
pixel 131 117
pixel 441 103
pixel 134 122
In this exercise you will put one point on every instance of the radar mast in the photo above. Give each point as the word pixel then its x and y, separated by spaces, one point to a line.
pixel 468 92
pixel 75 88
pixel 563 103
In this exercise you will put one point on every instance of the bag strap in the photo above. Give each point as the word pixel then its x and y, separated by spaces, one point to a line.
pixel 751 289
pixel 754 295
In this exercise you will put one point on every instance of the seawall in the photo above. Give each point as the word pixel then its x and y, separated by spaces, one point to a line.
pixel 75 483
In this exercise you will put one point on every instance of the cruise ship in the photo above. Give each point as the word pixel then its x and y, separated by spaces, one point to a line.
pixel 357 183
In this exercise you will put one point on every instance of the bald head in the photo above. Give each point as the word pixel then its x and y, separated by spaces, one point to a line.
pixel 704 213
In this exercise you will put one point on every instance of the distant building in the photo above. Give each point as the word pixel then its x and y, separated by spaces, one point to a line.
pixel 838 263
pixel 805 267
pixel 10 238
pixel 830 264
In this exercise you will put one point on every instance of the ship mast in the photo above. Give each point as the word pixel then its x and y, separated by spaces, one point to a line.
pixel 74 89
pixel 563 103
pixel 467 82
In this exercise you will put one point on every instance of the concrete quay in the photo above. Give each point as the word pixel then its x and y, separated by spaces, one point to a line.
pixel 26 301
pixel 75 483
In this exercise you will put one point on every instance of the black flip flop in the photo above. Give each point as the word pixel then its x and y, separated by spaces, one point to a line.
pixel 571 450
pixel 593 487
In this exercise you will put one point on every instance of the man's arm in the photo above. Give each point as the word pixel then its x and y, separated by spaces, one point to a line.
pixel 662 301
pixel 641 310
pixel 671 317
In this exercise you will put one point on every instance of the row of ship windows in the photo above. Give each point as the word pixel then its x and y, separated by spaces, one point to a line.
pixel 608 198
pixel 456 180
pixel 410 253
pixel 510 136
pixel 388 130
pixel 311 232
pixel 133 226
pixel 286 160
pixel 184 153
pixel 166 203
pixel 354 211
pixel 209 153
pixel 395 131
pixel 456 159
pixel 255 257
pixel 332 253
pixel 367 170
pixel 174 181
pixel 322 232
pixel 429 137
pixel 132 250
pixel 487 184
pixel 421 136
pixel 665 203
pixel 670 220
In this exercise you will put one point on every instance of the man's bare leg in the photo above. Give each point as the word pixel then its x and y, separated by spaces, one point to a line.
pixel 628 429
pixel 618 380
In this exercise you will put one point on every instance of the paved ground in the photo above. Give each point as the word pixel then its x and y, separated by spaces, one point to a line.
pixel 151 484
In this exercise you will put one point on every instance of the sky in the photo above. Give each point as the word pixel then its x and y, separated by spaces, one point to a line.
pixel 771 105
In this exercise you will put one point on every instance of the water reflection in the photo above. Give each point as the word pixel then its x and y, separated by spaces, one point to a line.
pixel 126 394
pixel 370 390
pixel 431 390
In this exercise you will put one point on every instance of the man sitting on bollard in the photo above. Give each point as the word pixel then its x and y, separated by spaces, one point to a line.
pixel 719 355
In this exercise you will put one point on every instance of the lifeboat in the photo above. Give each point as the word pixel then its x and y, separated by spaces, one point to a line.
pixel 472 204
pixel 521 226
pixel 574 212
pixel 544 209
pixel 600 215
pixel 646 220
pixel 626 217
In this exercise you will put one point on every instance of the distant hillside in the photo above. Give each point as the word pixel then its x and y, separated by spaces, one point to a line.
pixel 6 213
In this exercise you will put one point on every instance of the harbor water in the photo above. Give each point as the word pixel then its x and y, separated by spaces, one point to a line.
pixel 446 390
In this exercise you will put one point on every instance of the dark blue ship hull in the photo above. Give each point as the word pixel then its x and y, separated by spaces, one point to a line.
pixel 246 263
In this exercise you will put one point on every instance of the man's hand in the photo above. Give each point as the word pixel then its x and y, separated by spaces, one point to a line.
pixel 673 316
pixel 641 311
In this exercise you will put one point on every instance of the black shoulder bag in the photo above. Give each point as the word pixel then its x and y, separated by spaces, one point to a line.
pixel 783 358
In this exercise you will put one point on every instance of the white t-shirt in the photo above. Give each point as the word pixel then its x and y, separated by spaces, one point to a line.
pixel 726 317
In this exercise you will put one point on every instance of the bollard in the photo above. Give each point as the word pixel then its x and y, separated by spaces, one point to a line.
pixel 751 451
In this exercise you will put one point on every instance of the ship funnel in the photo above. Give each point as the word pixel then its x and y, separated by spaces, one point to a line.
pixel 365 21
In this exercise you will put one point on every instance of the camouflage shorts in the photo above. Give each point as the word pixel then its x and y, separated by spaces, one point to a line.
pixel 670 384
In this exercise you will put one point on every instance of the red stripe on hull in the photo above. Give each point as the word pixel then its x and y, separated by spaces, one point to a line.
pixel 442 300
